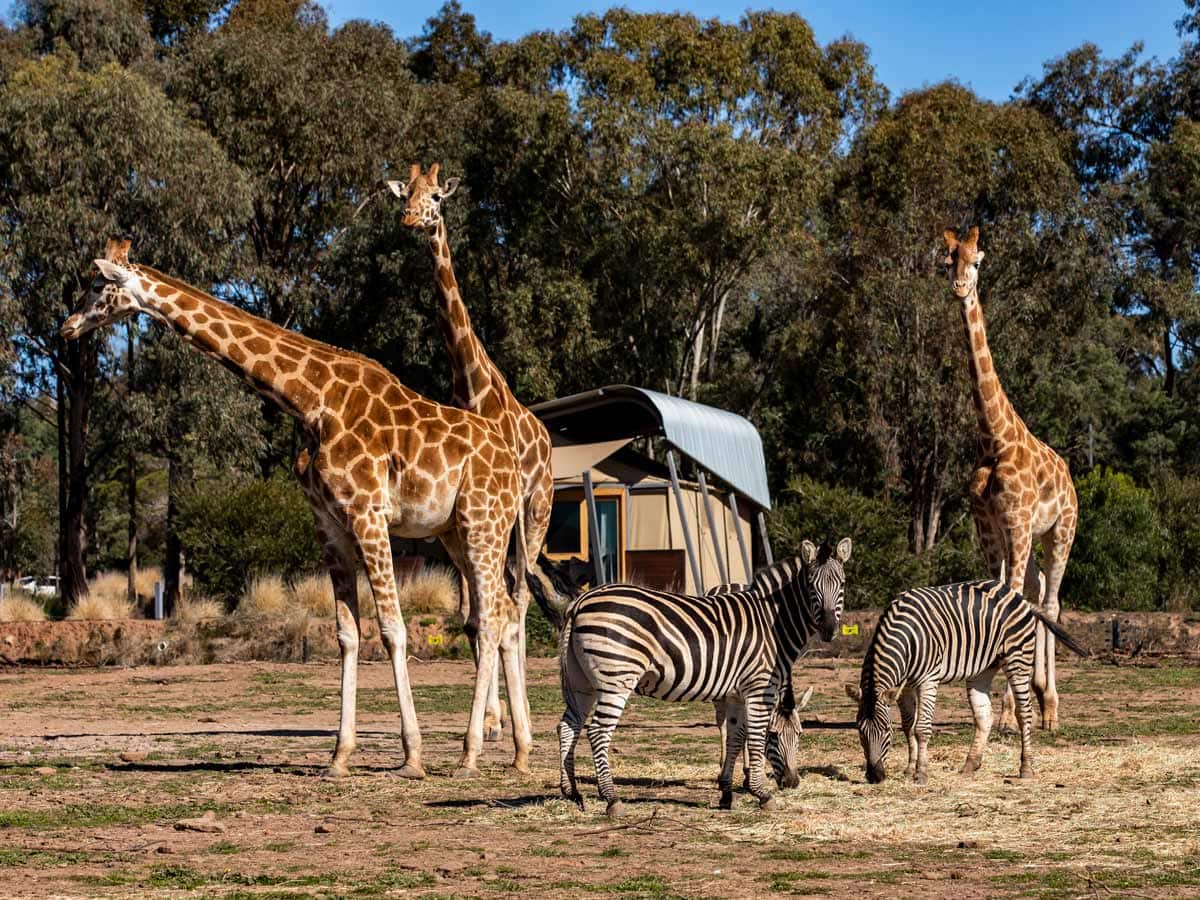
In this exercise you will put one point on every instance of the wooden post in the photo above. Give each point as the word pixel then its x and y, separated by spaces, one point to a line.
pixel 593 531
pixel 712 527
pixel 683 523
pixel 741 538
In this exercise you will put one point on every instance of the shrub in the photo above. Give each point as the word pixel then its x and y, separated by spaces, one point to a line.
pixel 19 607
pixel 881 565
pixel 233 531
pixel 1114 562
pixel 1178 502
pixel 101 607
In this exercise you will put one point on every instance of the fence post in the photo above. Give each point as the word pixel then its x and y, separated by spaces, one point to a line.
pixel 158 600
pixel 1116 633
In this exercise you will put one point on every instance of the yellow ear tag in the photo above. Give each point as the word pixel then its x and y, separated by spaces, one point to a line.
pixel 850 629
pixel 435 640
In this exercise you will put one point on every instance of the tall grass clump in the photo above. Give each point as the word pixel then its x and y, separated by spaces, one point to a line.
pixel 99 606
pixel 19 607
pixel 314 593
pixel 266 595
pixel 189 609
pixel 433 591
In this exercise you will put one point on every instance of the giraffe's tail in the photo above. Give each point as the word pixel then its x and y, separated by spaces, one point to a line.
pixel 518 561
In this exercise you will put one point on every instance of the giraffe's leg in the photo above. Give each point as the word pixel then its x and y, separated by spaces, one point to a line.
pixel 493 717
pixel 978 694
pixel 734 731
pixel 1034 591
pixel 375 546
pixel 758 714
pixel 1020 547
pixel 1057 543
pixel 908 720
pixel 337 551
pixel 514 679
pixel 1018 669
pixel 926 698
pixel 609 706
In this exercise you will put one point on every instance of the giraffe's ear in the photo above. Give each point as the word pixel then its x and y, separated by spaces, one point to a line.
pixel 113 272
pixel 978 257
pixel 950 238
pixel 450 187
pixel 972 236
pixel 117 250
pixel 399 188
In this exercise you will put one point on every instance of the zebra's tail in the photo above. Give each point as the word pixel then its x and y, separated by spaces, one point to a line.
pixel 1057 630
pixel 555 585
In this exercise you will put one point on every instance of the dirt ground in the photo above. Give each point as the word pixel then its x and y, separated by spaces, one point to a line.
pixel 1114 808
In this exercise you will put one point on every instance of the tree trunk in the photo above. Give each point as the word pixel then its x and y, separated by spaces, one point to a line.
pixel 131 485
pixel 715 339
pixel 697 362
pixel 173 564
pixel 80 357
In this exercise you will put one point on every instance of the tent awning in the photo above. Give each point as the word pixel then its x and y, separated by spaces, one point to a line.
pixel 569 460
pixel 723 443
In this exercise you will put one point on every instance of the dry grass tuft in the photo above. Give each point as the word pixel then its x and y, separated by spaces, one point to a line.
pixel 433 590
pixel 145 580
pixel 265 595
pixel 20 607
pixel 314 594
pixel 366 597
pixel 197 609
pixel 97 606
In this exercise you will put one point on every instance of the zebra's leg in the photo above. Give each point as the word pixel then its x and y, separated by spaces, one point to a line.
pixel 978 695
pixel 1017 668
pixel 926 698
pixel 579 707
pixel 735 739
pixel 908 718
pixel 758 714
pixel 605 716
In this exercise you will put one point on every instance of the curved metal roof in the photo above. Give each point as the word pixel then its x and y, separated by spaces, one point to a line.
pixel 723 443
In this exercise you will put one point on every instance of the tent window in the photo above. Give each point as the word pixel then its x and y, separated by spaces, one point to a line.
pixel 566 527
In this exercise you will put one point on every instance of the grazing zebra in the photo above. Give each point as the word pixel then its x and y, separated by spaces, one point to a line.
pixel 932 636
pixel 738 647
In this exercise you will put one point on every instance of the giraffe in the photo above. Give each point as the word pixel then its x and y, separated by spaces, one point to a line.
pixel 477 385
pixel 1021 489
pixel 379 460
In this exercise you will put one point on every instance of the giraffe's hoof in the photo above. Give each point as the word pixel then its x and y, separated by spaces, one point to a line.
pixel 1026 771
pixel 466 772
pixel 414 772
pixel 336 770
pixel 920 778
pixel 616 809
pixel 1050 725
pixel 1007 728
pixel 768 804
pixel 492 733
pixel 520 766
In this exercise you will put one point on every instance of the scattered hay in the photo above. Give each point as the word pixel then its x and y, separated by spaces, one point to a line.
pixel 433 591
pixel 20 607
pixel 265 595
pixel 197 609
pixel 314 594
pixel 100 606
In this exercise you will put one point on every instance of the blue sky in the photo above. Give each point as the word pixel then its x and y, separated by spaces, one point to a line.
pixel 988 46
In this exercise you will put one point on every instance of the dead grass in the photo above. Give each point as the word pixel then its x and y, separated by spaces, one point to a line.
pixel 111 586
pixel 145 580
pixel 314 594
pixel 103 604
pixel 265 595
pixel 433 591
pixel 20 607
pixel 197 609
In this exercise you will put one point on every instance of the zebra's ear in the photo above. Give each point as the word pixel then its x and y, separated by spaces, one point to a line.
pixel 808 552
pixel 805 697
pixel 889 696
pixel 843 549
pixel 854 692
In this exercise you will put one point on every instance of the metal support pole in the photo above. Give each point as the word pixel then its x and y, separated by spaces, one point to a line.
pixel 594 553
pixel 762 531
pixel 712 527
pixel 683 522
pixel 158 600
pixel 741 539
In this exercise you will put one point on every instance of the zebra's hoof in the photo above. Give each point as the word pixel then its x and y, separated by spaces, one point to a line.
pixel 1026 771
pixel 920 778
pixel 576 798
pixel 615 810
pixel 970 766
pixel 466 772
pixel 412 772
pixel 726 801
pixel 768 804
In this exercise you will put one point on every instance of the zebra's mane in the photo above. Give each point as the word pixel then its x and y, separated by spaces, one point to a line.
pixel 769 580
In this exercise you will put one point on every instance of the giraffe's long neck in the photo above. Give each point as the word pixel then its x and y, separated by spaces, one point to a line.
pixel 998 421
pixel 275 362
pixel 472 370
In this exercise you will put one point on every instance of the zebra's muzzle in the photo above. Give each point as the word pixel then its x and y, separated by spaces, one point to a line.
pixel 876 773
pixel 828 625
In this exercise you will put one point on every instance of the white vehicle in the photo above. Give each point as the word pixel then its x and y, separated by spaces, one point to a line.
pixel 39 587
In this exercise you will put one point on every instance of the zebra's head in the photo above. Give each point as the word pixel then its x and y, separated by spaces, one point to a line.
pixel 874 721
pixel 823 582
pixel 783 737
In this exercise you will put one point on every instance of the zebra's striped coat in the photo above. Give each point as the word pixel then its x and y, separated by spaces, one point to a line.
pixel 737 647
pixel 932 636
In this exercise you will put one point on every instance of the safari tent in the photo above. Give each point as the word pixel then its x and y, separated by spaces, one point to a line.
pixel 630 514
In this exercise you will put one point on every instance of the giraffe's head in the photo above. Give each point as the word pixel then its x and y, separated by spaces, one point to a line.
pixel 962 260
pixel 110 296
pixel 423 197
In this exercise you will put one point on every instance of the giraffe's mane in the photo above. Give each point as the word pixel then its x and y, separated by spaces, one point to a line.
pixel 263 324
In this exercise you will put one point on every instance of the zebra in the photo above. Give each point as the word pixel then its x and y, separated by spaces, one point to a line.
pixel 936 635
pixel 739 647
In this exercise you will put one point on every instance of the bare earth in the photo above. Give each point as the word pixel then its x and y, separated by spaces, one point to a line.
pixel 1115 807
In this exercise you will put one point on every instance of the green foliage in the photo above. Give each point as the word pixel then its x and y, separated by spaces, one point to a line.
pixel 1178 502
pixel 1115 560
pixel 232 531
